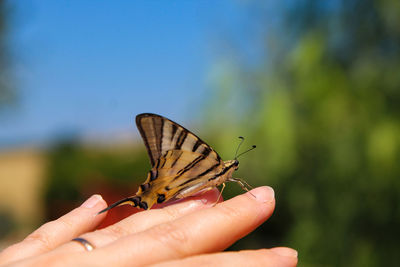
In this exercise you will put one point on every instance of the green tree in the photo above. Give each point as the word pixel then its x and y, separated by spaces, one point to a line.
pixel 322 104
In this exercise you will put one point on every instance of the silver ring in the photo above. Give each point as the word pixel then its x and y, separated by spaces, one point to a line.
pixel 86 244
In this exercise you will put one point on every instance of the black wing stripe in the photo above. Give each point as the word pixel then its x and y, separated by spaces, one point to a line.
pixel 209 170
pixel 200 175
pixel 174 129
pixel 158 163
pixel 180 139
pixel 206 152
pixel 183 139
pixel 189 166
pixel 158 134
pixel 165 159
pixel 221 173
pixel 145 140
pixel 153 175
pixel 162 165
pixel 145 187
pixel 176 159
pixel 196 145
pixel 160 141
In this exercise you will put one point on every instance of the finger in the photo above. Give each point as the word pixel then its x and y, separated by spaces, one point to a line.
pixel 283 257
pixel 57 232
pixel 163 213
pixel 204 231
pixel 142 221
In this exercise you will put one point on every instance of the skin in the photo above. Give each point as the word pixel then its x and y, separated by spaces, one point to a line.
pixel 193 232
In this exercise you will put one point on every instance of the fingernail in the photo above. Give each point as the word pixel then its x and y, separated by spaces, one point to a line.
pixel 286 252
pixel 92 201
pixel 263 194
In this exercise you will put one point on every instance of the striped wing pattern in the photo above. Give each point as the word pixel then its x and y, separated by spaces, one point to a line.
pixel 179 159
pixel 181 162
pixel 161 135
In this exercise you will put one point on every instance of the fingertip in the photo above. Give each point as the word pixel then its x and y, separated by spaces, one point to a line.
pixel 263 194
pixel 284 256
pixel 95 204
pixel 285 252
pixel 92 201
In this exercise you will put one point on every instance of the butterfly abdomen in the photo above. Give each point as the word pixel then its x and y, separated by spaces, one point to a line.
pixel 133 201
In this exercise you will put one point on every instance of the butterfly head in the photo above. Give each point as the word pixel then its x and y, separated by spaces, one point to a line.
pixel 235 164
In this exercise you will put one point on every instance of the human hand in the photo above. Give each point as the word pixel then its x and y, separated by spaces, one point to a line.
pixel 189 233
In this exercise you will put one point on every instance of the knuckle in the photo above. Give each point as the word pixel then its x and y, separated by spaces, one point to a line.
pixel 42 238
pixel 116 230
pixel 66 224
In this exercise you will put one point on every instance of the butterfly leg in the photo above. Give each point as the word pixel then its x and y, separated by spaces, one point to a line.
pixel 220 194
pixel 243 184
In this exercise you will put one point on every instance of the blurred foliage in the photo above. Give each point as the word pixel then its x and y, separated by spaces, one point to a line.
pixel 7 224
pixel 75 172
pixel 7 87
pixel 324 112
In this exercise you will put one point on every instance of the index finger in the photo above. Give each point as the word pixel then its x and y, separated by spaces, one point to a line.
pixel 203 231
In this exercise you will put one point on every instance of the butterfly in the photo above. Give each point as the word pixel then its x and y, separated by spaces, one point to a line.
pixel 182 164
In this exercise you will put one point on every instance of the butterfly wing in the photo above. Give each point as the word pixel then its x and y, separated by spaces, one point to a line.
pixel 180 161
pixel 161 135
pixel 179 158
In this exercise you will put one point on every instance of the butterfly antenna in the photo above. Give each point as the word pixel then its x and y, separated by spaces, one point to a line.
pixel 254 146
pixel 237 149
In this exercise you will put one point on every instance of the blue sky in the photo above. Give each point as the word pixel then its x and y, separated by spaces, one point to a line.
pixel 88 67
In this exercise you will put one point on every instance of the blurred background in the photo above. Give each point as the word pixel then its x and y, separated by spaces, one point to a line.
pixel 314 84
